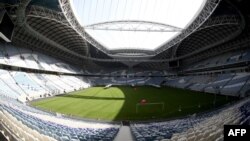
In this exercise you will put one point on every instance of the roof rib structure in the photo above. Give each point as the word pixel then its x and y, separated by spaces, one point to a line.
pixel 95 27
pixel 59 33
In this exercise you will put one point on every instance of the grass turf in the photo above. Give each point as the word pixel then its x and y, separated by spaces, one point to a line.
pixel 119 103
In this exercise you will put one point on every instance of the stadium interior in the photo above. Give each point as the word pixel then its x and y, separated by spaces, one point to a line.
pixel 123 70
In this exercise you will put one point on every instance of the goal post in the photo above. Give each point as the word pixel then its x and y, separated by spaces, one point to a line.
pixel 160 105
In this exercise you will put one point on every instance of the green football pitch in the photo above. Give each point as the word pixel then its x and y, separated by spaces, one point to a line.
pixel 123 103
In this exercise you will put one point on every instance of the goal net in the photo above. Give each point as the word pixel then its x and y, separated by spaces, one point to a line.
pixel 150 107
pixel 108 86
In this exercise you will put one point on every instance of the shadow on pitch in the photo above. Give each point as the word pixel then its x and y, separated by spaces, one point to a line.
pixel 91 97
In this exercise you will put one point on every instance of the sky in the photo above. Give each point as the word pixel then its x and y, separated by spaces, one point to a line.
pixel 178 13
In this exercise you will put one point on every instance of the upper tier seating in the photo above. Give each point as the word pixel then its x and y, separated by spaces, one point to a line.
pixel 26 58
pixel 221 60
pixel 27 86
pixel 226 84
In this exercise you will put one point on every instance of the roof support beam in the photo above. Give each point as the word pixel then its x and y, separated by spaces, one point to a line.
pixel 133 25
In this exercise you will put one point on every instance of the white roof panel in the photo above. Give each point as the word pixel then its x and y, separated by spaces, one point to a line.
pixel 130 35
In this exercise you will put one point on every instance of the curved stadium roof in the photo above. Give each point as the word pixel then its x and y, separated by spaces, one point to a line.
pixel 135 24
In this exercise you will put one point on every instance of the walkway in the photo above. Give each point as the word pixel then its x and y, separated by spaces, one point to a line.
pixel 124 134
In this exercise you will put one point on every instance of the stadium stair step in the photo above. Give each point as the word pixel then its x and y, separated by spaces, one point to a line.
pixel 124 134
